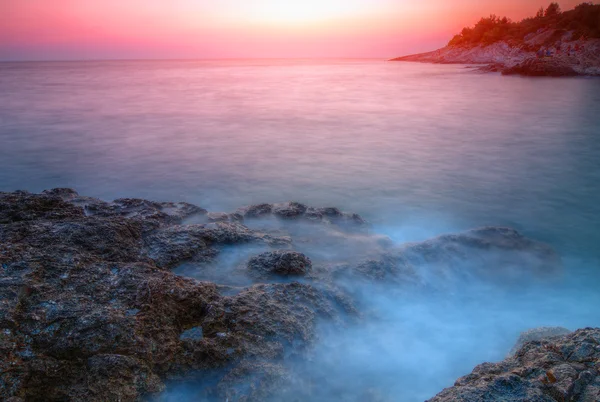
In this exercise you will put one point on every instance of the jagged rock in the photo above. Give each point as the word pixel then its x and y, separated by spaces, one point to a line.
pixel 224 217
pixel 388 267
pixel 255 211
pixel 555 369
pixel 537 334
pixel 318 213
pixel 289 210
pixel 150 214
pixel 298 211
pixel 494 252
pixel 179 243
pixel 542 68
pixel 280 262
pixel 22 206
pixel 88 311
pixel 485 253
pixel 217 217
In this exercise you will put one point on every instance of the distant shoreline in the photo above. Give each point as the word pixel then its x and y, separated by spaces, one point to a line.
pixel 552 43
pixel 511 60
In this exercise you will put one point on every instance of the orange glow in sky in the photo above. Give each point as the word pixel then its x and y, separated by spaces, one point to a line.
pixel 98 29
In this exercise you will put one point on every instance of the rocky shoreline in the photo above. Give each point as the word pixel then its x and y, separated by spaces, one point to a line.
pixel 547 369
pixel 91 308
pixel 521 59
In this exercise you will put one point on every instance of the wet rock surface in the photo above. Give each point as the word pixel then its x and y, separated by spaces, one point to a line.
pixel 280 262
pixel 542 68
pixel 555 369
pixel 90 309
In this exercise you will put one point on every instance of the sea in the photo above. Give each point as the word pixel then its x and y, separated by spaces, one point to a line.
pixel 419 150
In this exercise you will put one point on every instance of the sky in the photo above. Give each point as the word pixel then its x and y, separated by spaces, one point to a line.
pixel 214 29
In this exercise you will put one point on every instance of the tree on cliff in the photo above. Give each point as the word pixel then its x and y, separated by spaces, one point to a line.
pixel 540 13
pixel 582 21
pixel 552 10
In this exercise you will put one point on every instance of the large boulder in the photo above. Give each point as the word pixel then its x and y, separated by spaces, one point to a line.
pixel 554 369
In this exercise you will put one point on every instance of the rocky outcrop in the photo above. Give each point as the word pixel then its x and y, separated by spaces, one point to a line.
pixel 555 369
pixel 497 53
pixel 297 211
pixel 521 58
pixel 280 262
pixel 547 67
pixel 90 310
pixel 492 253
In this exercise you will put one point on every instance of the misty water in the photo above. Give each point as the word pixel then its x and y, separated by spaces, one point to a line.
pixel 418 150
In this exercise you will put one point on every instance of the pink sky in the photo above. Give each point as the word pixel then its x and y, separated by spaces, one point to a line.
pixel 116 29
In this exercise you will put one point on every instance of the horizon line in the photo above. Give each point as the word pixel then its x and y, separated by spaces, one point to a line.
pixel 185 59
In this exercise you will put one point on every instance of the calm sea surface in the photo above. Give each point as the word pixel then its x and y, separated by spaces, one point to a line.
pixel 417 149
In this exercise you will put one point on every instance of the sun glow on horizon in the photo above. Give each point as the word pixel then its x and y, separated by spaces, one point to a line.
pixel 76 29
pixel 306 11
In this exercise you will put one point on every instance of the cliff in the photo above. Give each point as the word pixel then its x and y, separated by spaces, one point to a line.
pixel 557 44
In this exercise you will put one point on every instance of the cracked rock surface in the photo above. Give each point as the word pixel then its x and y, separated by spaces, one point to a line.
pixel 554 369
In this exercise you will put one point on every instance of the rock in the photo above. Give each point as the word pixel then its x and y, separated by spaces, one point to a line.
pixel 496 53
pixel 489 253
pixel 537 334
pixel 547 370
pixel 519 57
pixel 88 310
pixel 151 215
pixel 224 217
pixel 554 67
pixel 280 262
pixel 289 210
pixel 217 217
pixel 255 211
pixel 297 211
pixel 490 68
pixel 388 267
pixel 179 243
pixel 22 206
pixel 318 213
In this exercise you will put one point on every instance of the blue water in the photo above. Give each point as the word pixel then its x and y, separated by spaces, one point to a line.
pixel 417 149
